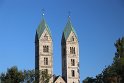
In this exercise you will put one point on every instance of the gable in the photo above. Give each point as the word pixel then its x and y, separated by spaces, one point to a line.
pixel 45 36
pixel 72 37
pixel 59 80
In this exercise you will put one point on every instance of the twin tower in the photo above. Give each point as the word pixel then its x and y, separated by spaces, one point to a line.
pixel 70 53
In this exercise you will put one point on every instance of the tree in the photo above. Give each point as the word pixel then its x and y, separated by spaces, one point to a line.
pixel 118 62
pixel 99 78
pixel 29 76
pixel 89 80
pixel 114 73
pixel 13 75
pixel 42 76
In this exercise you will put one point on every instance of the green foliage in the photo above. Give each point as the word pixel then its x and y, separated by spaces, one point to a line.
pixel 89 80
pixel 13 75
pixel 42 76
pixel 29 76
pixel 114 73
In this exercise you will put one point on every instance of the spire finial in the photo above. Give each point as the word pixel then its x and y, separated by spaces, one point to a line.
pixel 43 10
pixel 69 14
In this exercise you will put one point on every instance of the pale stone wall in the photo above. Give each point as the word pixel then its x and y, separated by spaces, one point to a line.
pixel 70 43
pixel 66 58
pixel 39 54
pixel 43 41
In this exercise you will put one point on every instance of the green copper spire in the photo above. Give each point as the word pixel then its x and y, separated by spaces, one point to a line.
pixel 68 28
pixel 43 25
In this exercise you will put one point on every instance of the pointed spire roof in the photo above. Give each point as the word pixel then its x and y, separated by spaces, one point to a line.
pixel 42 26
pixel 68 28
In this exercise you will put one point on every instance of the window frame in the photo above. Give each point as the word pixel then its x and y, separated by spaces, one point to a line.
pixel 72 73
pixel 72 62
pixel 45 48
pixel 72 50
pixel 45 60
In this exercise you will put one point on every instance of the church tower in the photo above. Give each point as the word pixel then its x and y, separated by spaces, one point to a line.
pixel 70 54
pixel 43 49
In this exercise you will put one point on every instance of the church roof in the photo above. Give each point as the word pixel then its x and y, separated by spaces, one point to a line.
pixel 68 28
pixel 57 78
pixel 42 26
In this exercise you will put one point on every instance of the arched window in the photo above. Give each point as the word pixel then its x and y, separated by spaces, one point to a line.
pixel 72 62
pixel 73 73
pixel 72 38
pixel 72 50
pixel 45 48
pixel 45 61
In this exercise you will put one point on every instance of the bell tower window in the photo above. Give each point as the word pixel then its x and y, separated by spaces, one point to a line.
pixel 72 50
pixel 45 48
pixel 45 61
pixel 72 62
pixel 73 73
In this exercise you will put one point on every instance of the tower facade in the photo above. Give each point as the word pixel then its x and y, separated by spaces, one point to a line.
pixel 43 49
pixel 70 54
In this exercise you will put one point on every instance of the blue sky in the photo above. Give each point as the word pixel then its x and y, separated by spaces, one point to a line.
pixel 98 23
